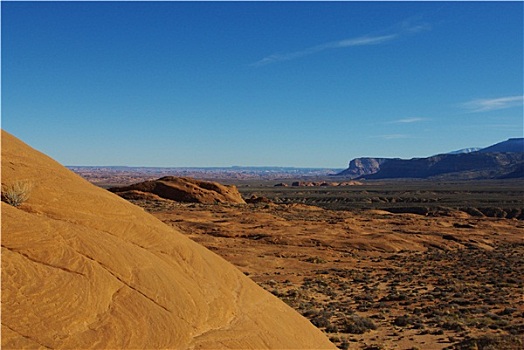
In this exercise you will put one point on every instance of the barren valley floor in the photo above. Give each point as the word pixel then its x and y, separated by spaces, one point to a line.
pixel 373 279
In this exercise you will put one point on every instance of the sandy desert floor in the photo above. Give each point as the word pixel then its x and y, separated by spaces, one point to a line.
pixel 371 279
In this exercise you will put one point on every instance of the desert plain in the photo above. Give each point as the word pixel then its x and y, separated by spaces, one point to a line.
pixel 377 265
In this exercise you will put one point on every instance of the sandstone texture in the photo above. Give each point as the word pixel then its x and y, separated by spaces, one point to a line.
pixel 183 189
pixel 83 268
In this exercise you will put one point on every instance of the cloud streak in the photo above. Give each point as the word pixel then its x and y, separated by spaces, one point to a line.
pixel 366 40
pixel 360 41
pixel 408 120
pixel 492 104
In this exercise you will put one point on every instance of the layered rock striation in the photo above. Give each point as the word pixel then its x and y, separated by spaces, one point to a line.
pixel 83 268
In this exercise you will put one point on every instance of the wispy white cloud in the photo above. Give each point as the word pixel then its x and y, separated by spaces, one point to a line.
pixel 360 41
pixel 363 40
pixel 408 27
pixel 491 104
pixel 404 28
pixel 408 120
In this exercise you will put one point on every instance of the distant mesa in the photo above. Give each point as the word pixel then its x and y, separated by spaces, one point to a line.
pixel 363 166
pixel 83 269
pixel 502 160
pixel 181 189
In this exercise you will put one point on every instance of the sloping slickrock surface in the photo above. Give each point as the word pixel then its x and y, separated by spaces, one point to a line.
pixel 184 189
pixel 83 268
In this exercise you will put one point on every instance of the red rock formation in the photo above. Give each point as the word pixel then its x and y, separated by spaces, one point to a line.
pixel 184 189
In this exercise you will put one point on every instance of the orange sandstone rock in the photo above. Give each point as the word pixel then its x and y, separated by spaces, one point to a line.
pixel 83 268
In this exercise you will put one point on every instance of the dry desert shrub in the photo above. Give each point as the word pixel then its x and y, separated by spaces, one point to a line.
pixel 492 342
pixel 16 193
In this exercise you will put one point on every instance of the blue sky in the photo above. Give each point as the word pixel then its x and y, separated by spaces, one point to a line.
pixel 307 84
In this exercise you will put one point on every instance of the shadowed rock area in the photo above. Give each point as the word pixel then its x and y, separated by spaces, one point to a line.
pixel 182 189
pixel 83 268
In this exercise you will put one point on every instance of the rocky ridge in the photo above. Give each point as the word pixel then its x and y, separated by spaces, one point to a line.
pixel 181 189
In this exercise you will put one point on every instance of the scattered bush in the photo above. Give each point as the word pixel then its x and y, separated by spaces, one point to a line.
pixel 344 345
pixel 374 347
pixel 452 326
pixel 358 325
pixel 491 342
pixel 321 321
pixel 315 260
pixel 402 321
pixel 16 193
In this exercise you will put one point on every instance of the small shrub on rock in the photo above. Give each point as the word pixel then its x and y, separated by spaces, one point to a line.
pixel 16 193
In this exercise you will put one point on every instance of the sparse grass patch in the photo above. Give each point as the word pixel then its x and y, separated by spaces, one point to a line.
pixel 17 192
pixel 315 260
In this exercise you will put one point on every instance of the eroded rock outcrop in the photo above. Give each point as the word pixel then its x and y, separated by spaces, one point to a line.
pixel 83 268
pixel 183 189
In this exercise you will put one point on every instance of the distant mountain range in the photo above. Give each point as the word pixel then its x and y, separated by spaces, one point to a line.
pixel 502 160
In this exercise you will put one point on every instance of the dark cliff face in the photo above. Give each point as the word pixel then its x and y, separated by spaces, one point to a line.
pixel 460 166
pixel 502 160
pixel 363 166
